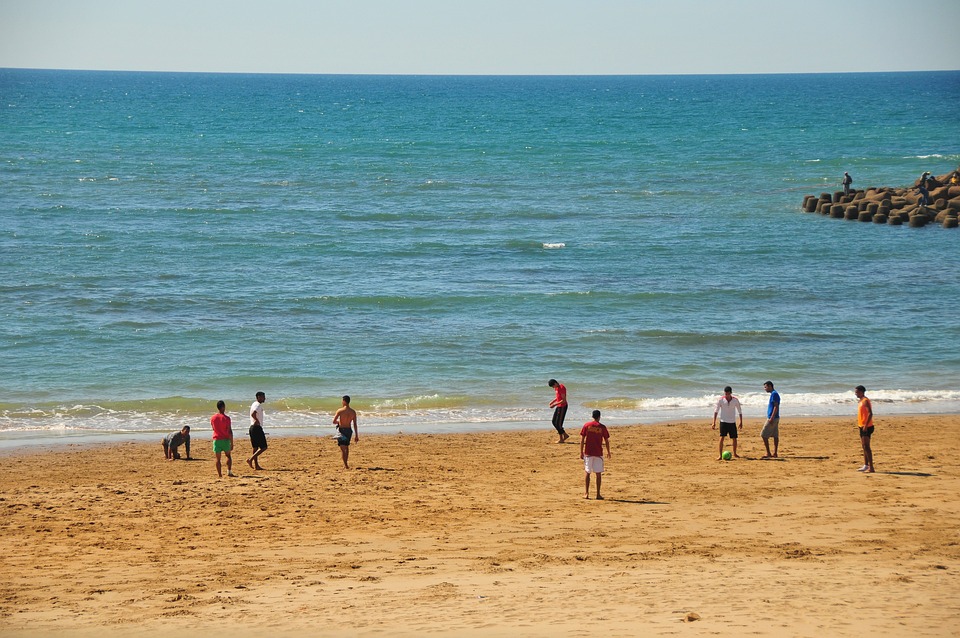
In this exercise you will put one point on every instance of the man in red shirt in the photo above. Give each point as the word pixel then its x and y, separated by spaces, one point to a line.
pixel 559 405
pixel 222 437
pixel 593 437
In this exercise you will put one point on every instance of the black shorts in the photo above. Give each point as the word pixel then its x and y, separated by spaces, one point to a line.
pixel 728 429
pixel 866 432
pixel 257 438
pixel 344 438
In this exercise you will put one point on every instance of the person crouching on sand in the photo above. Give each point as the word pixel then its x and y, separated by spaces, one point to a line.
pixel 222 438
pixel 593 436
pixel 174 440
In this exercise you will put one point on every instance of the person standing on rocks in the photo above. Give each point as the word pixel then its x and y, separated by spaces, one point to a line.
pixel 847 180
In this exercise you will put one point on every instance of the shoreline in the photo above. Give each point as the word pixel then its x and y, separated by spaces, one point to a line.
pixel 14 442
pixel 487 534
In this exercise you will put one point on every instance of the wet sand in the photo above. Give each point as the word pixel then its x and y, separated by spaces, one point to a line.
pixel 489 535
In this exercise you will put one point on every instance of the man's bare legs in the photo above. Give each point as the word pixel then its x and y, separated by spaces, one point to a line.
pixel 867 453
pixel 776 446
pixel 586 485
pixel 345 453
pixel 229 465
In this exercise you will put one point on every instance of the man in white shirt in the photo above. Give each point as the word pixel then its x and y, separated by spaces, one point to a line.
pixel 728 407
pixel 258 440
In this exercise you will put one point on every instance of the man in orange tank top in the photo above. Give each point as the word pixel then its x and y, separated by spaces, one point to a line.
pixel 865 424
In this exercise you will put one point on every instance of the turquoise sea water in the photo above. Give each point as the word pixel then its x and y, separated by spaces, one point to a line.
pixel 439 247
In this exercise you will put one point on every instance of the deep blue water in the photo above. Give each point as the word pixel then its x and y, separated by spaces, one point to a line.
pixel 439 247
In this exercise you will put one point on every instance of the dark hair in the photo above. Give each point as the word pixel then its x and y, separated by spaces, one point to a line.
pixel 728 389
pixel 221 405
pixel 186 427
pixel 259 394
pixel 552 382
pixel 769 383
pixel 346 399
pixel 596 414
pixel 861 388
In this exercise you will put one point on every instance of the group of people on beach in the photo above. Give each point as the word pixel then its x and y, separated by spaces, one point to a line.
pixel 731 420
pixel 594 435
pixel 345 420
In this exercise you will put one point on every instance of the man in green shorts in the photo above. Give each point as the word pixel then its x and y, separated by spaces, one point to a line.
pixel 222 438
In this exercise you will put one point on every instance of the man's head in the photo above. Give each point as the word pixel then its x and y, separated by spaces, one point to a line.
pixel 860 391
pixel 552 383
pixel 728 391
pixel 221 405
pixel 768 386
pixel 261 397
pixel 346 399
pixel 596 415
pixel 185 430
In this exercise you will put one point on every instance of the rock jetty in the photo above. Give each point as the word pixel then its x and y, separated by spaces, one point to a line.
pixel 895 206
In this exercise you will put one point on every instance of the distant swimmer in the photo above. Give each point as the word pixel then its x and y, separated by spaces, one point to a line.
pixel 728 407
pixel 222 438
pixel 847 180
pixel 258 440
pixel 174 440
pixel 346 421
pixel 559 405
pixel 865 427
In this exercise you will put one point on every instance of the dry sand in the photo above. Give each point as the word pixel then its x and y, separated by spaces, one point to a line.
pixel 489 534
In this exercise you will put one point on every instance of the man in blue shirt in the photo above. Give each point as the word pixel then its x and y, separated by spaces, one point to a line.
pixel 771 428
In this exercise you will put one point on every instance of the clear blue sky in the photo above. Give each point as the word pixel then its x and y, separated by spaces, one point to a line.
pixel 482 37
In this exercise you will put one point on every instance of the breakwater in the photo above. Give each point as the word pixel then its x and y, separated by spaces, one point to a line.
pixel 931 199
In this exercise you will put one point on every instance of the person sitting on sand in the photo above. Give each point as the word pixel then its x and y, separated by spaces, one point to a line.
pixel 865 426
pixel 174 440
pixel 593 436
pixel 222 437
pixel 728 407
pixel 346 421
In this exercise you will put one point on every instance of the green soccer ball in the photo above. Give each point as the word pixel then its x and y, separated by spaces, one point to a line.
pixel 727 455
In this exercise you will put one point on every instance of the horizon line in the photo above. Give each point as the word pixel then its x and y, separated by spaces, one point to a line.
pixel 437 74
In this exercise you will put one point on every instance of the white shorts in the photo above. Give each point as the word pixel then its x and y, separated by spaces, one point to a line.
pixel 593 464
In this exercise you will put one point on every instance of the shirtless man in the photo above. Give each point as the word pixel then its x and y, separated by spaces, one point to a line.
pixel 346 421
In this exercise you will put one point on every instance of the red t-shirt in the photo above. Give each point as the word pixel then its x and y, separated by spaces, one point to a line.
pixel 561 399
pixel 221 426
pixel 594 434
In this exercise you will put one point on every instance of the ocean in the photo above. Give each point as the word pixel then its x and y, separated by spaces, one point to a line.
pixel 440 247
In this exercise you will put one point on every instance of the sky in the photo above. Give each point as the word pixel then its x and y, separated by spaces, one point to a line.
pixel 489 37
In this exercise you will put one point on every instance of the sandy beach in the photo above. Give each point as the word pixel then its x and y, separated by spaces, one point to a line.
pixel 489 534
